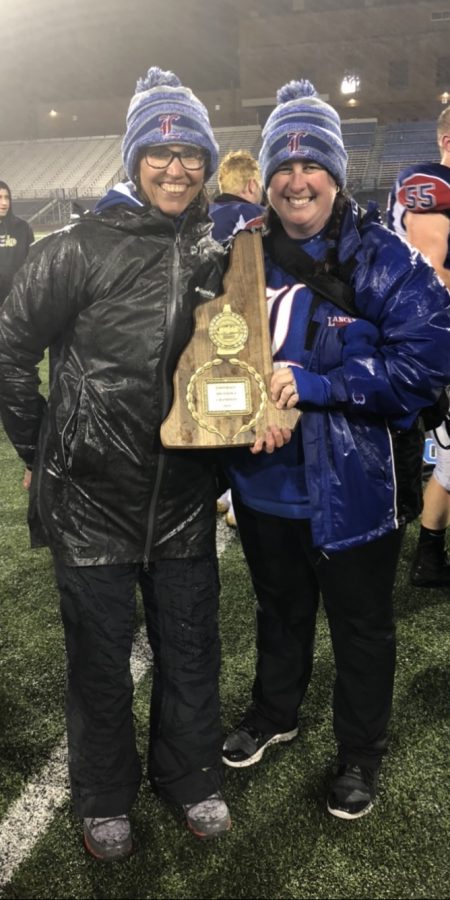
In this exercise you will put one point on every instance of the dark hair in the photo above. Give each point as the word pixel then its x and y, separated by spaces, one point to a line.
pixel 342 201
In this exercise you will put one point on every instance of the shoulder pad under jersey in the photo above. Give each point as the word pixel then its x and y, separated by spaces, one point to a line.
pixel 424 188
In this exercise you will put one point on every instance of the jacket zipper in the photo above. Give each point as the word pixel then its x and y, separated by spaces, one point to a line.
pixel 165 398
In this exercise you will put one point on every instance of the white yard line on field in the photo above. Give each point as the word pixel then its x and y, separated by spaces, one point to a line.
pixel 30 815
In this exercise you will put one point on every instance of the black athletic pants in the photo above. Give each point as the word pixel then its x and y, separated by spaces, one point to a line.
pixel 356 585
pixel 98 611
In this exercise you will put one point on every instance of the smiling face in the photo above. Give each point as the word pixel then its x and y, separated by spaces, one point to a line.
pixel 302 193
pixel 173 188
pixel 5 202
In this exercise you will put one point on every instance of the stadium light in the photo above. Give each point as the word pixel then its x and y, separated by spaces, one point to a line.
pixel 350 84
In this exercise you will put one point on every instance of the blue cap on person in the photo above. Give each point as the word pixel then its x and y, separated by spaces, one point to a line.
pixel 162 111
pixel 302 126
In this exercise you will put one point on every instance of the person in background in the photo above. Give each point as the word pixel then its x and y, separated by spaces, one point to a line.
pixel 16 235
pixel 419 210
pixel 239 204
pixel 320 516
pixel 112 296
pixel 236 207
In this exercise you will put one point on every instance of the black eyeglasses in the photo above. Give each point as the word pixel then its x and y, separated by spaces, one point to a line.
pixel 191 158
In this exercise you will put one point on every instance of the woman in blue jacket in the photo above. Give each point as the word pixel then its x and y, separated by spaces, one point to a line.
pixel 321 515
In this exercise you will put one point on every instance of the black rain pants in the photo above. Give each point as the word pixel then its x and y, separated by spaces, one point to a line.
pixel 180 599
pixel 356 585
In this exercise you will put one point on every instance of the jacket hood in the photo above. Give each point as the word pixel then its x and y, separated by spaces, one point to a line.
pixel 5 187
pixel 123 193
pixel 122 208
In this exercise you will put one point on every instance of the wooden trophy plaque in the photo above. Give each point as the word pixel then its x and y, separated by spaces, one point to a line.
pixel 223 376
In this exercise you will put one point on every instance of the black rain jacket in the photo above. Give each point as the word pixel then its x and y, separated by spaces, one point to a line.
pixel 112 296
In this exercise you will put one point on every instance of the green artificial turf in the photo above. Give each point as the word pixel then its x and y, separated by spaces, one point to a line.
pixel 283 844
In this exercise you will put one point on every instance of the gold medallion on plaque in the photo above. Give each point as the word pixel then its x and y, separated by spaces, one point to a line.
pixel 228 331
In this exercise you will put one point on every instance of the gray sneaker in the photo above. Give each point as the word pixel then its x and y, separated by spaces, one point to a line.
pixel 208 819
pixel 108 839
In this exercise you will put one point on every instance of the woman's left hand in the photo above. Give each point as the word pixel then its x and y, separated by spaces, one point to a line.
pixel 273 438
pixel 284 389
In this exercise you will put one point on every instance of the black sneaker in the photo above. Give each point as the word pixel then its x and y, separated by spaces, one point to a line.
pixel 353 792
pixel 246 745
pixel 431 566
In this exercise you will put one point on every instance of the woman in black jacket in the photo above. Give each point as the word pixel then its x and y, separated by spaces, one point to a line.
pixel 113 296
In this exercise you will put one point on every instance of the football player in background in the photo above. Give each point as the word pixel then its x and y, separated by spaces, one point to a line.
pixel 419 210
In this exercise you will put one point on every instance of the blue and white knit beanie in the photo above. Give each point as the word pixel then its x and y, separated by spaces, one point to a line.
pixel 163 111
pixel 303 126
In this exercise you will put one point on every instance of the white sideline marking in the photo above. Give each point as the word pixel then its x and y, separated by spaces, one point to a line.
pixel 32 812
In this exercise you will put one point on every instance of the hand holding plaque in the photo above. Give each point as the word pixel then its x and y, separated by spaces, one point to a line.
pixel 223 375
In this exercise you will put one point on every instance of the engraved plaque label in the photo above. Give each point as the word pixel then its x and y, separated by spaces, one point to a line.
pixel 227 398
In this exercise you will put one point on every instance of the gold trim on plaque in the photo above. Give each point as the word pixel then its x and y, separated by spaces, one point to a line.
pixel 252 372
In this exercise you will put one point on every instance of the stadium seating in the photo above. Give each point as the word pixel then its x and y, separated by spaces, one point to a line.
pixel 359 138
pixel 406 143
pixel 48 174
pixel 60 167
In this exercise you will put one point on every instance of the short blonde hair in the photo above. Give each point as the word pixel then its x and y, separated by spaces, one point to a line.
pixel 235 170
pixel 443 124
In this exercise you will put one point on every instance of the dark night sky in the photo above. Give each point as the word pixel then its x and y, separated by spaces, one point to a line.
pixel 69 49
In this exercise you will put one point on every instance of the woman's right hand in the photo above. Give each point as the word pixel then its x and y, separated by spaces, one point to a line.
pixel 273 438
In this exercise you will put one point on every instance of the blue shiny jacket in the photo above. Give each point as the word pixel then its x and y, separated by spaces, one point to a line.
pixel 377 380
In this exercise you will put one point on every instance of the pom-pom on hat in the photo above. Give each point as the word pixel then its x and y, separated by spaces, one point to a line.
pixel 302 126
pixel 162 111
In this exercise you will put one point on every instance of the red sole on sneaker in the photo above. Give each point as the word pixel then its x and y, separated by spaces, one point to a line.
pixel 100 858
pixel 208 837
